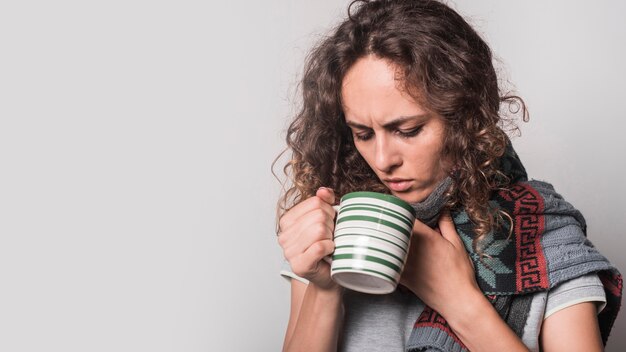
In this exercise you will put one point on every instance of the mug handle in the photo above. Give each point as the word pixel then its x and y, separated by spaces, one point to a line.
pixel 329 258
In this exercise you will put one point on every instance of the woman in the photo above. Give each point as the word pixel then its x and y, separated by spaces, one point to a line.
pixel 403 98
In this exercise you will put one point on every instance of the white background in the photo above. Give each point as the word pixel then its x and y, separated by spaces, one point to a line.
pixel 136 137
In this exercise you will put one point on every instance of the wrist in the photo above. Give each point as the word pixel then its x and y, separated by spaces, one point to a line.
pixel 332 291
pixel 467 312
pixel 475 321
pixel 461 307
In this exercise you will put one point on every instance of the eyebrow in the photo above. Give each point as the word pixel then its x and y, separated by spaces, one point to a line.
pixel 393 124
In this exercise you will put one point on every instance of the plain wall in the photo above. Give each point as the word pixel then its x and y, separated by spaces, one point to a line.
pixel 136 138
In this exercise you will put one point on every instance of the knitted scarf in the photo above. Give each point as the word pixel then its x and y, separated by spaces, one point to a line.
pixel 548 246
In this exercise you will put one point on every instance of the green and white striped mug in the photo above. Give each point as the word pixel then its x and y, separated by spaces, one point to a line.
pixel 372 232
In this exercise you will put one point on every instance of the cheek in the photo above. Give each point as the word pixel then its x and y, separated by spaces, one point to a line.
pixel 439 166
pixel 436 161
pixel 427 161
pixel 435 149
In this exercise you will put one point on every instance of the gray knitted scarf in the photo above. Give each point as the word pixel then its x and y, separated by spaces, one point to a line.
pixel 427 211
pixel 522 263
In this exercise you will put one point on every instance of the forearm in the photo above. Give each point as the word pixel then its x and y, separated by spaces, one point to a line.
pixel 480 327
pixel 318 323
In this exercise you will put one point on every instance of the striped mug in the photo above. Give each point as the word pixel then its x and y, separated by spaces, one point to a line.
pixel 372 232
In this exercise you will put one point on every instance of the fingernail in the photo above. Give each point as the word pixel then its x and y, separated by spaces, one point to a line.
pixel 330 189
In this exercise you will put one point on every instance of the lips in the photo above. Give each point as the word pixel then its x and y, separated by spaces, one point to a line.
pixel 398 185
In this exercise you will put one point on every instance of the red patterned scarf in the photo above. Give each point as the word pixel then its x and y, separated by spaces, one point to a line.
pixel 519 265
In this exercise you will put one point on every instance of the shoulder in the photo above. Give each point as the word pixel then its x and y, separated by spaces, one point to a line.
pixel 555 206
pixel 586 288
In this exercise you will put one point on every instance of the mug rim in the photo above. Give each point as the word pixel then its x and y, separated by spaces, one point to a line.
pixel 381 196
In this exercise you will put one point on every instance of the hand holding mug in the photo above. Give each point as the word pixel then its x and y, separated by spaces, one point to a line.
pixel 306 237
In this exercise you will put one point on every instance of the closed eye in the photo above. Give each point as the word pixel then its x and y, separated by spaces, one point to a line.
pixel 363 136
pixel 368 134
pixel 410 133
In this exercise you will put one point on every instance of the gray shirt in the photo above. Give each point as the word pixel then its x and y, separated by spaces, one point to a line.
pixel 384 322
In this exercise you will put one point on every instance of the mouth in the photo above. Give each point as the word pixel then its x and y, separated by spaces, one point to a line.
pixel 398 184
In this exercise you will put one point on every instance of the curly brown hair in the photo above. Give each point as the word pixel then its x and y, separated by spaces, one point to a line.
pixel 445 66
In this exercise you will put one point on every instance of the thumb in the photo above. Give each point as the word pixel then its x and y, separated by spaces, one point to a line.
pixel 327 195
pixel 448 230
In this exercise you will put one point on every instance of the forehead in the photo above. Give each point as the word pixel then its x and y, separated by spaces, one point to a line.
pixel 373 88
pixel 371 74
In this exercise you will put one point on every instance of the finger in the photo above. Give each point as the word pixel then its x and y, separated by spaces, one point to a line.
pixel 320 249
pixel 313 227
pixel 327 195
pixel 421 229
pixel 318 223
pixel 311 258
pixel 294 214
pixel 448 230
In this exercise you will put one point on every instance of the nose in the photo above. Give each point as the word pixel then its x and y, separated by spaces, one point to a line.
pixel 387 156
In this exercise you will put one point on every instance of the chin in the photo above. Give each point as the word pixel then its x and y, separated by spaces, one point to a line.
pixel 414 195
pixel 409 197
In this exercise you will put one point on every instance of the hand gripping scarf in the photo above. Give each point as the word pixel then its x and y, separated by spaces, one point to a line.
pixel 548 246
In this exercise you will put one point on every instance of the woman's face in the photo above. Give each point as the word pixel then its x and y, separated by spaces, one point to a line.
pixel 399 139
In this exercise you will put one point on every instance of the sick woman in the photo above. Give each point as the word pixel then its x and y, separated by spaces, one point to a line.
pixel 403 98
